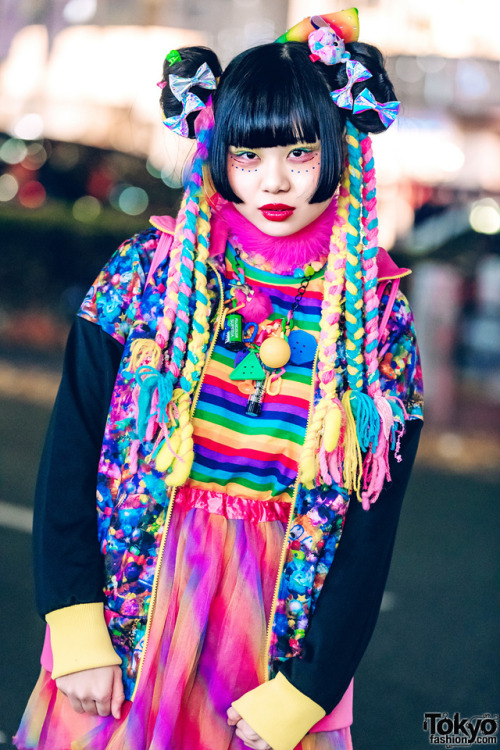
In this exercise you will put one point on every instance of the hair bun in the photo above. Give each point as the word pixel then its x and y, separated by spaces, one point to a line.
pixel 186 67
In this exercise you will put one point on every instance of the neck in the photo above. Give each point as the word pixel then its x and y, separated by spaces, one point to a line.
pixel 279 254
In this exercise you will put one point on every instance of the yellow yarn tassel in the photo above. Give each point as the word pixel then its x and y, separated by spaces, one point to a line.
pixel 145 352
pixel 182 468
pixel 333 423
pixel 353 460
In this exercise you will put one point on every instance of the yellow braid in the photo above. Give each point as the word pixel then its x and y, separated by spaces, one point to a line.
pixel 181 469
pixel 332 305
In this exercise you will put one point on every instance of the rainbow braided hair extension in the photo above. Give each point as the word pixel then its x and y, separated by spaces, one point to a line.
pixel 168 368
pixel 362 421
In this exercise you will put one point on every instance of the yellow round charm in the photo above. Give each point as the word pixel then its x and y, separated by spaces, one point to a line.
pixel 274 352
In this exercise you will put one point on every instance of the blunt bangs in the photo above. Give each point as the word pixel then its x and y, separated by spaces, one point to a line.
pixel 273 95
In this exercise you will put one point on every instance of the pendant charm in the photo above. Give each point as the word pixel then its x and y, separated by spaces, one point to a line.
pixel 249 369
pixel 233 331
pixel 303 347
pixel 254 403
pixel 274 352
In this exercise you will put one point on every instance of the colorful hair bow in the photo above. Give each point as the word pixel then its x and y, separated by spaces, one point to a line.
pixel 326 46
pixel 180 88
pixel 386 111
pixel 177 123
pixel 355 71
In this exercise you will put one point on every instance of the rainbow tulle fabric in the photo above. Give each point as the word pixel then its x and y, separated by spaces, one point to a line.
pixel 218 575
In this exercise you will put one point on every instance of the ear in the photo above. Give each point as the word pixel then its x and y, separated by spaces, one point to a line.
pixel 178 152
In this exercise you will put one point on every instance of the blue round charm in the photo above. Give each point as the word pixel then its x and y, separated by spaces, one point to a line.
pixel 303 346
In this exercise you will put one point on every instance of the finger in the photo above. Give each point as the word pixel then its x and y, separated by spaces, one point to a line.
pixel 89 706
pixel 233 716
pixel 243 737
pixel 103 706
pixel 247 730
pixel 75 704
pixel 117 696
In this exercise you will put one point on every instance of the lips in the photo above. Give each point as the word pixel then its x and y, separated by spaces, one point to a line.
pixel 276 211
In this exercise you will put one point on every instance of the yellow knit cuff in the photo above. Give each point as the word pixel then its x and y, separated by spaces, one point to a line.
pixel 279 713
pixel 80 639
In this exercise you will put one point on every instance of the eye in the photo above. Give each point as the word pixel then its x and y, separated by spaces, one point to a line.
pixel 242 155
pixel 302 153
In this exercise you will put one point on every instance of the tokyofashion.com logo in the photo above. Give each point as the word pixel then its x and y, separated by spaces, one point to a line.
pixel 454 730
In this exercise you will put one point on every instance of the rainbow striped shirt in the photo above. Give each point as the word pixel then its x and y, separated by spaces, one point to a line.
pixel 256 457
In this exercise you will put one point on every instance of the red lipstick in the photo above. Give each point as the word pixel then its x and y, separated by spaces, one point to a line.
pixel 276 211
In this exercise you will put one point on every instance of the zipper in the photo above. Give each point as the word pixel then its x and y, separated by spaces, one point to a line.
pixel 161 551
pixel 272 612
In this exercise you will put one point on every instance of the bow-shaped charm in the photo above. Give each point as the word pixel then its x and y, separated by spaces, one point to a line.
pixel 355 71
pixel 177 123
pixel 180 86
pixel 387 112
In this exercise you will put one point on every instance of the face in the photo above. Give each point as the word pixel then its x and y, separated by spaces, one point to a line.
pixel 275 185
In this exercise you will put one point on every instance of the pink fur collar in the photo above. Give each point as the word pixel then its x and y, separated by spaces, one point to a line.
pixel 279 254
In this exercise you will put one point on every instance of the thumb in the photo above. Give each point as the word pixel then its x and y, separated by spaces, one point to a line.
pixel 117 695
pixel 233 716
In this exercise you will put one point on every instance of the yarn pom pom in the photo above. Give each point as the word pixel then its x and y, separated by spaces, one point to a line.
pixel 256 309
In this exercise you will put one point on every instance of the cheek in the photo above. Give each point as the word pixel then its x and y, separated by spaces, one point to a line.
pixel 306 176
pixel 240 177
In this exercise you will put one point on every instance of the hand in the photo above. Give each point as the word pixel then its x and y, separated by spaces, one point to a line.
pixel 245 732
pixel 94 691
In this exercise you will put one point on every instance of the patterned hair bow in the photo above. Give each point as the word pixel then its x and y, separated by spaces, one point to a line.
pixel 180 88
pixel 386 111
pixel 355 71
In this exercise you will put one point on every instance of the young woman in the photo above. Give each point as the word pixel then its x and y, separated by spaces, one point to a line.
pixel 245 383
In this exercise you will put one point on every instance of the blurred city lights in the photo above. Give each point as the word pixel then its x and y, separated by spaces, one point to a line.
pixel 32 194
pixel 29 127
pixel 451 157
pixel 153 171
pixel 8 187
pixel 129 199
pixel 36 156
pixel 13 151
pixel 86 209
pixel 80 11
pixel 484 216
pixel 65 156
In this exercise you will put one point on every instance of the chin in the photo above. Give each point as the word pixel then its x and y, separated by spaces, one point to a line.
pixel 278 229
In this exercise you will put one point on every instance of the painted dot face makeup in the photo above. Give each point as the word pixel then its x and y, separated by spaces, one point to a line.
pixel 276 184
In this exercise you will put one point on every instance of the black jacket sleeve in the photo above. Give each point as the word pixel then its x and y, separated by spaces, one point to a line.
pixel 349 602
pixel 67 559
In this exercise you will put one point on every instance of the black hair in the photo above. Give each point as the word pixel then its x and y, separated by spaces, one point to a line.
pixel 274 95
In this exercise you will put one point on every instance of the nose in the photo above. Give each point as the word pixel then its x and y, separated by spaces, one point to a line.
pixel 275 177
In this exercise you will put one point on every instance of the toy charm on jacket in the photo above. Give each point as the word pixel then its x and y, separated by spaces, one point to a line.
pixel 222 381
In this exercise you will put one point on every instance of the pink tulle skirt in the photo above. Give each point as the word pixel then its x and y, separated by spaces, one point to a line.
pixel 206 643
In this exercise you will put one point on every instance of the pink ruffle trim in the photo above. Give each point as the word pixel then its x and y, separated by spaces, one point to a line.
pixel 233 506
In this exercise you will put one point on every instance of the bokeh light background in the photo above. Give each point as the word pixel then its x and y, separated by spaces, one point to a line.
pixel 84 157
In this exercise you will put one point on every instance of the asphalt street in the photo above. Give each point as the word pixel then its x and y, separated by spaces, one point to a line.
pixel 434 649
